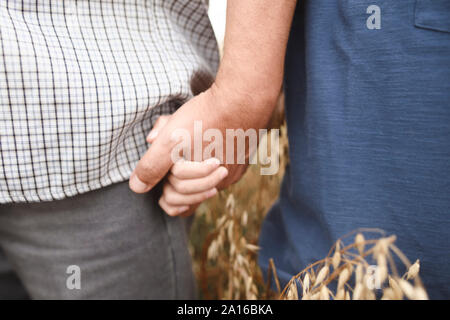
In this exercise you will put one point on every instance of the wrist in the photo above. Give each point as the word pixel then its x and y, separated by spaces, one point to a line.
pixel 238 107
pixel 257 89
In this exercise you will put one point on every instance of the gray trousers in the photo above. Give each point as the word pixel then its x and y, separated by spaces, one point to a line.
pixel 105 244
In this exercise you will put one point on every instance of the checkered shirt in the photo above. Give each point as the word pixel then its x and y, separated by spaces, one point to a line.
pixel 82 82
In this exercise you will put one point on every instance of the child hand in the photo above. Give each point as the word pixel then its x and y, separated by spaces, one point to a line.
pixel 190 183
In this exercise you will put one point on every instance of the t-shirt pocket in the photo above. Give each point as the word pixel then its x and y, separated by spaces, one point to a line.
pixel 433 15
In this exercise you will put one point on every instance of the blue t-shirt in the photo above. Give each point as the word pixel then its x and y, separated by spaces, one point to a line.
pixel 368 113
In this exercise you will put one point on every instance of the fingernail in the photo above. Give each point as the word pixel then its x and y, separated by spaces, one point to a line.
pixel 213 161
pixel 183 209
pixel 137 185
pixel 223 172
pixel 152 135
pixel 211 193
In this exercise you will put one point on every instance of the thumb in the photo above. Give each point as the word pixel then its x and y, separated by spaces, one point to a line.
pixel 153 166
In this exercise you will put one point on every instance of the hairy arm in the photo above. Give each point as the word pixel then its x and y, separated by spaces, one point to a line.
pixel 244 93
pixel 255 44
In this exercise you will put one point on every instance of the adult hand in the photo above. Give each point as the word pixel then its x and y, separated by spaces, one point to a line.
pixel 188 183
pixel 215 110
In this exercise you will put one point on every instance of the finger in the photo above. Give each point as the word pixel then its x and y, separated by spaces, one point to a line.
pixel 153 166
pixel 174 198
pixel 191 186
pixel 159 124
pixel 172 211
pixel 194 169
pixel 235 172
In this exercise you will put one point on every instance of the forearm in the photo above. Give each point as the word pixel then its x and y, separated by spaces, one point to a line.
pixel 254 50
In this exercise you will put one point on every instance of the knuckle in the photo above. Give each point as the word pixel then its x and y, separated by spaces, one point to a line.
pixel 144 166
pixel 145 171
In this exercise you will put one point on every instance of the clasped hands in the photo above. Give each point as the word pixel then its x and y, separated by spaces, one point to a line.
pixel 187 183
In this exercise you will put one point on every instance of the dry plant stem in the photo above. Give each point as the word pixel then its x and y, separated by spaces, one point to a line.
pixel 335 272
pixel 344 261
pixel 203 271
pixel 272 269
